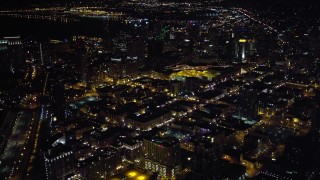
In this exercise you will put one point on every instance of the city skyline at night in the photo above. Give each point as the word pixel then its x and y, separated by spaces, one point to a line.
pixel 159 90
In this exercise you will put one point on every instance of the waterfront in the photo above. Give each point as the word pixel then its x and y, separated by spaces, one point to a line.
pixel 46 30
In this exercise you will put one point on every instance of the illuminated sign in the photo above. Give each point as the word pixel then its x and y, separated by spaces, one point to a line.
pixel 242 40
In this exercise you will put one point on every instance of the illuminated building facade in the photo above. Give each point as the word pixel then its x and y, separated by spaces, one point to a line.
pixel 132 151
pixel 12 49
pixel 101 164
pixel 11 40
pixel 59 162
pixel 245 48
pixel 161 155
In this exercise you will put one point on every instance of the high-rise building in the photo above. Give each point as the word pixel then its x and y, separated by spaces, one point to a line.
pixel 13 49
pixel 240 52
pixel 161 155
pixel 247 103
pixel 59 162
pixel 245 48
pixel 132 151
pixel 81 51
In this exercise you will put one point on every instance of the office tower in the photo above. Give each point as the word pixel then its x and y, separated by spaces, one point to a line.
pixel 6 42
pixel 132 151
pixel 252 47
pixel 245 49
pixel 242 50
pixel 247 103
pixel 5 58
pixel 161 155
pixel 59 162
pixel 82 51
pixel 13 47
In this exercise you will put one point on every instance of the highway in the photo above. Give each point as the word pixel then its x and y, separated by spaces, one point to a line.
pixel 21 142
pixel 15 143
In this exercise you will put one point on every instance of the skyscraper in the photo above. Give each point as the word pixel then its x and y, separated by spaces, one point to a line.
pixel 245 48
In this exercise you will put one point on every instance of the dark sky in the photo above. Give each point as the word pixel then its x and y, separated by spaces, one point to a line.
pixel 243 3
pixel 28 3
